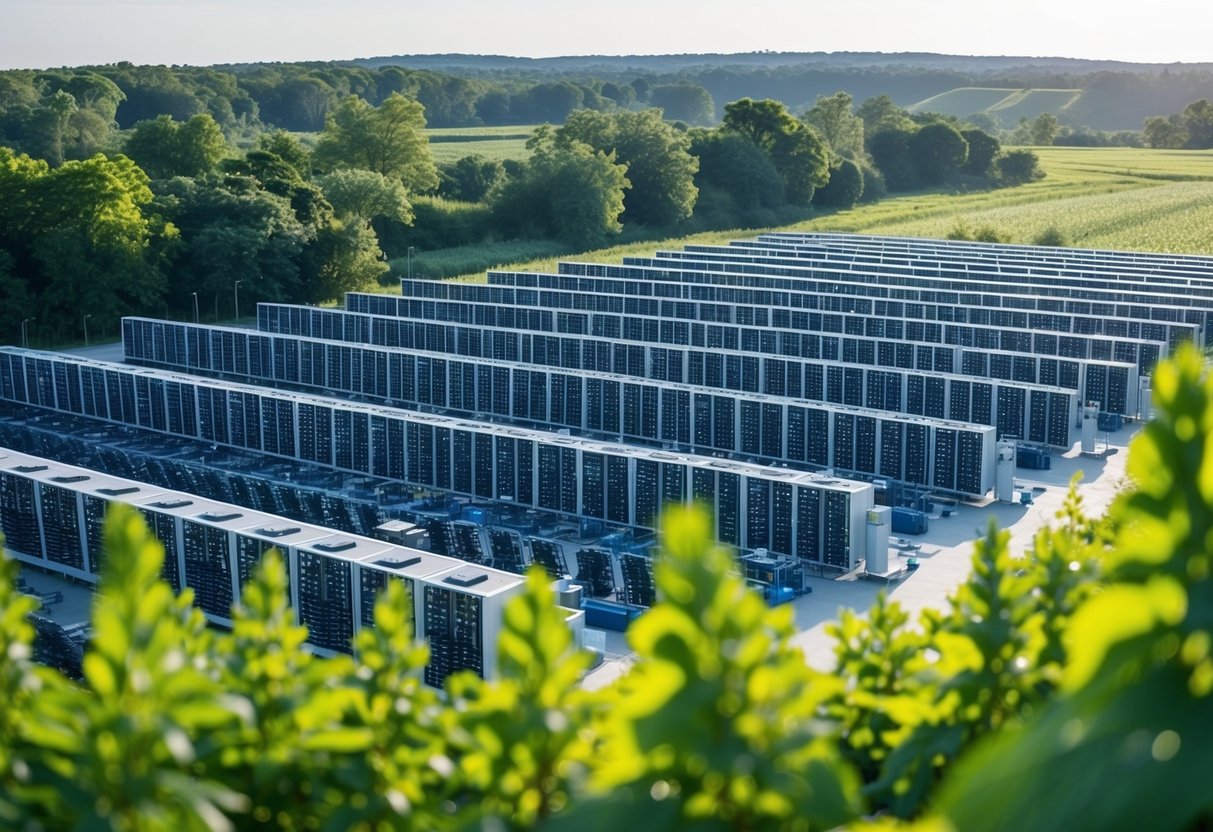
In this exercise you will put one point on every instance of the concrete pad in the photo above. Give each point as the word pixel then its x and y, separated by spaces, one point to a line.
pixel 945 556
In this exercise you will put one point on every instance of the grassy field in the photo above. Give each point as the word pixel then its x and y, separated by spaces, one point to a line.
pixel 1007 105
pixel 450 144
pixel 499 149
pixel 1148 200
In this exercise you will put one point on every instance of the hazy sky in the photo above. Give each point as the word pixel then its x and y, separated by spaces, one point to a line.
pixel 44 33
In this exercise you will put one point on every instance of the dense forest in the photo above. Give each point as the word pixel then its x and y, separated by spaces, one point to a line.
pixel 1067 687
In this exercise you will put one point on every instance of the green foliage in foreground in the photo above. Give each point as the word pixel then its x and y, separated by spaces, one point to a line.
pixel 1069 687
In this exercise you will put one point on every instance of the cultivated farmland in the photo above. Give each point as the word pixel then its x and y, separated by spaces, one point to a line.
pixel 1122 198
pixel 500 143
pixel 1007 105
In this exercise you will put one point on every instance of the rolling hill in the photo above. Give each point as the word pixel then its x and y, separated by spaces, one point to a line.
pixel 1006 105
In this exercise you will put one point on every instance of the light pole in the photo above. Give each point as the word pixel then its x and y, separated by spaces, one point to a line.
pixel 410 262
pixel 24 333
pixel 236 295
pixel 195 294
pixel 85 319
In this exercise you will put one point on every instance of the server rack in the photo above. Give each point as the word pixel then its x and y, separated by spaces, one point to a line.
pixel 728 369
pixel 752 306
pixel 334 579
pixel 1131 266
pixel 753 426
pixel 596 480
pixel 803 333
pixel 728 267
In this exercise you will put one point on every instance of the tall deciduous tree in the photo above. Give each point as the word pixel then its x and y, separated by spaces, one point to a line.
pixel 1044 129
pixel 387 139
pixel 566 190
pixel 982 149
pixel 738 183
pixel 660 166
pixel 77 237
pixel 166 148
pixel 365 195
pixel 797 152
pixel 1198 122
pixel 471 178
pixel 938 151
pixel 834 118
pixel 688 103
pixel 881 113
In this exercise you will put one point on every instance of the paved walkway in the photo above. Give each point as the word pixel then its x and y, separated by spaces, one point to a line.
pixel 945 557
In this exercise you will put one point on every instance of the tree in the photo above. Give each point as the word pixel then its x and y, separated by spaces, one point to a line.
pixel 983 148
pixel 1018 167
pixel 938 151
pixel 797 152
pixel 365 195
pixel 1198 122
pixel 567 190
pixel 890 149
pixel 1044 129
pixel 659 164
pixel 1165 131
pixel 471 178
pixel 737 182
pixel 49 126
pixel 287 148
pixel 841 128
pixel 165 148
pixel 78 236
pixel 689 103
pixel 844 188
pixel 880 113
pixel 387 139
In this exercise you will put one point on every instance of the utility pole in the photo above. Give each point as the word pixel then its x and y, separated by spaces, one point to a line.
pixel 236 295
pixel 86 317
pixel 410 261
pixel 195 294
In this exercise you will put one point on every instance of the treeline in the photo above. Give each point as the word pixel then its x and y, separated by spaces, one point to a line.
pixel 463 91
pixel 299 97
pixel 1192 128
pixel 176 220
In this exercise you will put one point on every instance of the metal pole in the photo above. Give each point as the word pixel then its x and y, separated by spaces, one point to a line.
pixel 86 317
pixel 24 333
pixel 236 295
pixel 195 294
pixel 410 262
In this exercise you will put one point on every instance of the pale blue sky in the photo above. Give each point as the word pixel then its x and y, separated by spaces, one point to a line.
pixel 42 33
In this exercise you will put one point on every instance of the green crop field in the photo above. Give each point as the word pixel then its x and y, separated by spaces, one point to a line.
pixel 1121 198
pixel 498 149
pixel 449 144
pixel 1007 105
pixel 1031 103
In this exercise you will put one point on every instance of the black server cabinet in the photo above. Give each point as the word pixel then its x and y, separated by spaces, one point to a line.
pixel 164 529
pixel 19 514
pixel 945 459
pixel 968 461
pixel 836 530
pixel 453 627
pixel 61 525
pixel 808 523
pixel 326 599
pixel 208 568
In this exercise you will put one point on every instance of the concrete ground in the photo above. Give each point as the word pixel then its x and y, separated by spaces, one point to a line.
pixel 945 554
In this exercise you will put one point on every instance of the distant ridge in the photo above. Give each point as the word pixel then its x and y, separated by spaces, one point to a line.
pixel 675 62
